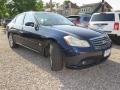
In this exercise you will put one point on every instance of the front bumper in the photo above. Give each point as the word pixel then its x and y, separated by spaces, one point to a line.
pixel 85 59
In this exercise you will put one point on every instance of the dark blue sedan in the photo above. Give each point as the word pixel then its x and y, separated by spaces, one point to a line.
pixel 56 37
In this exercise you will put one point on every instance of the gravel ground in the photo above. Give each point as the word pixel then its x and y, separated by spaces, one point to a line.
pixel 22 69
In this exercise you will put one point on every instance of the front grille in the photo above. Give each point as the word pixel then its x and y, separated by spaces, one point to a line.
pixel 100 43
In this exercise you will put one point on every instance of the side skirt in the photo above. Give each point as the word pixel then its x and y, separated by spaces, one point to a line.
pixel 30 48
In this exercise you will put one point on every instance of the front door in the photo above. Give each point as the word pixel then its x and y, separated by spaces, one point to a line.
pixel 32 39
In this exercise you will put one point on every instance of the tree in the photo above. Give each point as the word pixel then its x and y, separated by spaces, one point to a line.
pixel 57 5
pixel 66 3
pixel 39 5
pixel 24 5
pixel 3 9
pixel 10 8
pixel 48 5
pixel 19 6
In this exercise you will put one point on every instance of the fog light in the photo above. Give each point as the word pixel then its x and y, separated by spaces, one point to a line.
pixel 83 62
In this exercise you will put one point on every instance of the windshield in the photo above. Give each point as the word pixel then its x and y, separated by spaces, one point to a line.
pixel 49 19
pixel 103 17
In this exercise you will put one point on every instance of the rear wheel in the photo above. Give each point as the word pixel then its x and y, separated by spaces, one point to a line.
pixel 56 57
pixel 12 43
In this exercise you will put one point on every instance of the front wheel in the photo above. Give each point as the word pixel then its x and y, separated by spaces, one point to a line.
pixel 56 57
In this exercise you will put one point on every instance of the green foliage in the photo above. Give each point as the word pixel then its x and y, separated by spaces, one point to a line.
pixel 10 8
pixel 39 6
pixel 67 1
pixel 3 9
pixel 24 5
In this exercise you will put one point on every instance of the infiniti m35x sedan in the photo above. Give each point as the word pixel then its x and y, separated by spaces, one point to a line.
pixel 56 37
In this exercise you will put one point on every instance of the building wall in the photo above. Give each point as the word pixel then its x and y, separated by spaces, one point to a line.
pixel 90 9
pixel 73 11
pixel 86 9
pixel 68 12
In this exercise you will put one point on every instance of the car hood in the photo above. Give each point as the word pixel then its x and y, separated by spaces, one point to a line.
pixel 80 32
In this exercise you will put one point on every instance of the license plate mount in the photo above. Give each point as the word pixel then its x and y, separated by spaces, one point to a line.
pixel 107 52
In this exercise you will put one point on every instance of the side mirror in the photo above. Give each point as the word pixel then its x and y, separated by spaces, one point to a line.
pixel 29 24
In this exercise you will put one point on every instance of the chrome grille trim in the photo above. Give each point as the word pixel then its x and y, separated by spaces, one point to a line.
pixel 102 42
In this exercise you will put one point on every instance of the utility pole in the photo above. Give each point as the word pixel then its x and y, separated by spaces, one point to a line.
pixel 70 7
pixel 103 2
pixel 51 8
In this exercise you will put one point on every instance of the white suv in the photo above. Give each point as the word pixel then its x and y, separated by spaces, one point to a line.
pixel 108 22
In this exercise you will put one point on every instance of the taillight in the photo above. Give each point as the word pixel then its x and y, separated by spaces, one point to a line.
pixel 116 26
pixel 77 22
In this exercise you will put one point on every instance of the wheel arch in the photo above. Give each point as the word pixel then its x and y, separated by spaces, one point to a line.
pixel 8 33
pixel 61 44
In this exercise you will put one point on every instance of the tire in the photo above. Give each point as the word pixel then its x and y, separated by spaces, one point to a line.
pixel 46 51
pixel 12 43
pixel 56 57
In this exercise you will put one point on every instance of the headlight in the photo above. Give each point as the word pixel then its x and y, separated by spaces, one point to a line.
pixel 72 41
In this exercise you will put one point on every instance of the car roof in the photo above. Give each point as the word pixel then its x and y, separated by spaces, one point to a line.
pixel 106 13
pixel 37 12
pixel 33 12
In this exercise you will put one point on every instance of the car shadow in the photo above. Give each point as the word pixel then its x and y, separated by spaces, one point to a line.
pixel 116 46
pixel 105 76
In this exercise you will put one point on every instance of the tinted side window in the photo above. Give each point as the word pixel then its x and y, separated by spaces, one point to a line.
pixel 29 17
pixel 103 17
pixel 19 19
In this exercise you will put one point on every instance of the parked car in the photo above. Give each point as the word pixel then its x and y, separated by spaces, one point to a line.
pixel 108 22
pixel 55 36
pixel 5 22
pixel 80 20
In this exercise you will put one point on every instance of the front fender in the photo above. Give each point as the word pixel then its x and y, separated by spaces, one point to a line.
pixel 56 35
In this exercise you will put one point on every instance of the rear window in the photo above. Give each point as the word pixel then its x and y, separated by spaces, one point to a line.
pixel 86 19
pixel 73 18
pixel 103 17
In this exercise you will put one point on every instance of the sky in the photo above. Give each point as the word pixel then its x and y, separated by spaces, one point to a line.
pixel 114 3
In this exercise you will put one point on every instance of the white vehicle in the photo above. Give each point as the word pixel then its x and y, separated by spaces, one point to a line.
pixel 108 22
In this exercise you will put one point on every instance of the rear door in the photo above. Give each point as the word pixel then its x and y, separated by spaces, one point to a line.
pixel 103 21
pixel 16 27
